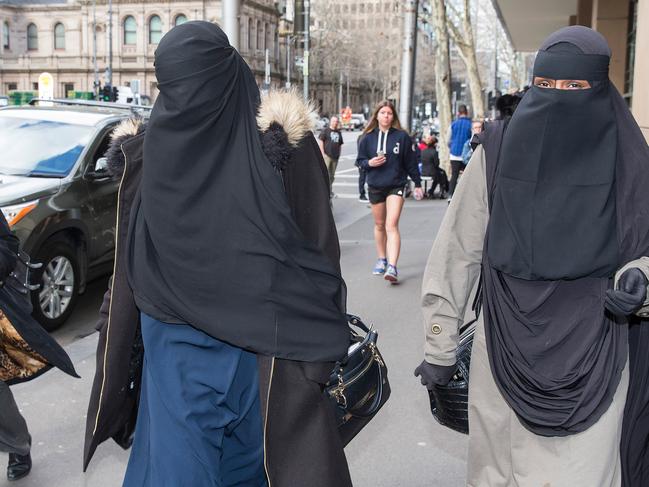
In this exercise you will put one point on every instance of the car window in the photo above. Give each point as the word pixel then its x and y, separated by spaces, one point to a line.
pixel 40 147
pixel 103 145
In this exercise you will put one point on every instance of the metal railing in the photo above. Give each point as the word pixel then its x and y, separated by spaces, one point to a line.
pixel 91 103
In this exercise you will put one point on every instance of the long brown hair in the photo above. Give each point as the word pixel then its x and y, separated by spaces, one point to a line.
pixel 374 120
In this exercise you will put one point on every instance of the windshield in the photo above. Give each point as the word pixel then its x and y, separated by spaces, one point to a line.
pixel 43 148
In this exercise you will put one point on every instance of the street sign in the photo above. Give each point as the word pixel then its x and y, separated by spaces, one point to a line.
pixel 428 109
pixel 46 86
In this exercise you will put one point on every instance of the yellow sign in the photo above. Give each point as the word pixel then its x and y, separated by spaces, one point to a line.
pixel 46 86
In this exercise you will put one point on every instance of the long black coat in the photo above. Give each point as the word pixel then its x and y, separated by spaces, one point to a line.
pixel 26 349
pixel 302 446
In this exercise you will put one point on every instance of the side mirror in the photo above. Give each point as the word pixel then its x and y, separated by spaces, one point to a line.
pixel 100 172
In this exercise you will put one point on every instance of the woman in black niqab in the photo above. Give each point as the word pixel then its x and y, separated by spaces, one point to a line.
pixel 223 278
pixel 569 208
pixel 214 243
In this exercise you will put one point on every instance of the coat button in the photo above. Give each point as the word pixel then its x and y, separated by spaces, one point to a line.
pixel 436 329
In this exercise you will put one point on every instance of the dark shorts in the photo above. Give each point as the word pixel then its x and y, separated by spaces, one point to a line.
pixel 379 195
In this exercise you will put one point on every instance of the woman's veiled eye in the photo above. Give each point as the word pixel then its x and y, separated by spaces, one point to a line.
pixel 577 85
pixel 544 83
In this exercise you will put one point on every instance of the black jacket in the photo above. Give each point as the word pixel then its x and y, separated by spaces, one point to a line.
pixel 429 161
pixel 26 349
pixel 302 445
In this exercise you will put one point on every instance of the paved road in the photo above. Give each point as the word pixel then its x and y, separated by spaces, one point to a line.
pixel 401 447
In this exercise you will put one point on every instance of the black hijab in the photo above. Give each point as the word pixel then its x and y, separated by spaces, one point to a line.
pixel 569 207
pixel 213 243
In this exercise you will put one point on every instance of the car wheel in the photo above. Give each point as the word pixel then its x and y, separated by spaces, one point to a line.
pixel 58 277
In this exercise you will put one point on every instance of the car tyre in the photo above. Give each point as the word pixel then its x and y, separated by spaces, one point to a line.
pixel 58 277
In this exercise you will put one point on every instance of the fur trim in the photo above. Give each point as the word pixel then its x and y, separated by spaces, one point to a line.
pixel 275 144
pixel 124 131
pixel 129 127
pixel 289 110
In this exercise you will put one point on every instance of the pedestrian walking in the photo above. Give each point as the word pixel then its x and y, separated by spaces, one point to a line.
pixel 387 154
pixel 362 174
pixel 26 352
pixel 331 141
pixel 467 150
pixel 227 274
pixel 458 134
pixel 551 218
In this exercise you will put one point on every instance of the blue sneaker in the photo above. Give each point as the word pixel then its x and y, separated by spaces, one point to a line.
pixel 391 274
pixel 379 268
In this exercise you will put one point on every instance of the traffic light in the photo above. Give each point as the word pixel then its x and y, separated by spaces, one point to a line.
pixel 106 93
pixel 114 94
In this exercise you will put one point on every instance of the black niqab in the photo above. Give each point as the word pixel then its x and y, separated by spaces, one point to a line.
pixel 569 207
pixel 213 243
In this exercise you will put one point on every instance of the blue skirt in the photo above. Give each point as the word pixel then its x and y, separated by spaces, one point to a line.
pixel 199 422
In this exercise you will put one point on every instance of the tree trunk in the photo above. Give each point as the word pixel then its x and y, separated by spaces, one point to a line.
pixel 475 85
pixel 442 81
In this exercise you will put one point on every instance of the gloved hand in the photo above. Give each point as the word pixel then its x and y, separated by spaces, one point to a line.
pixel 432 375
pixel 629 295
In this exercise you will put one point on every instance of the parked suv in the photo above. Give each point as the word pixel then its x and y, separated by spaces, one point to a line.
pixel 57 196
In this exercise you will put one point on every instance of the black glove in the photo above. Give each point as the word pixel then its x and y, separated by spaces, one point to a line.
pixel 630 294
pixel 432 375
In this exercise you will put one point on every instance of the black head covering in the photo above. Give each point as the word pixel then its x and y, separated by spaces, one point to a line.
pixel 569 206
pixel 214 243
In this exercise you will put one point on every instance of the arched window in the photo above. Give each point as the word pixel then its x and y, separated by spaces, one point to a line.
pixel 155 30
pixel 130 31
pixel 267 37
pixel 5 35
pixel 59 36
pixel 32 37
pixel 260 36
pixel 251 35
pixel 276 45
pixel 180 19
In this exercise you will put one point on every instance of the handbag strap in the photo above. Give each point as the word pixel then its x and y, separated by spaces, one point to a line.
pixel 357 322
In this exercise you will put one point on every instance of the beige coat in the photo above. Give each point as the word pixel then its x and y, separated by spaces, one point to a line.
pixel 501 451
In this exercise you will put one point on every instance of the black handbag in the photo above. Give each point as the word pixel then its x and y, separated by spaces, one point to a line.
pixel 358 386
pixel 450 403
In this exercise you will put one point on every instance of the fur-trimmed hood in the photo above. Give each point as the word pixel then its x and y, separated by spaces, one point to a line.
pixel 284 119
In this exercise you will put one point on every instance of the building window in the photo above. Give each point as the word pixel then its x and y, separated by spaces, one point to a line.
pixel 35 85
pixel 370 8
pixel 67 88
pixel 337 8
pixel 59 36
pixel 260 35
pixel 155 30
pixel 276 44
pixel 251 35
pixel 130 31
pixel 180 19
pixel 5 35
pixel 32 37
pixel 345 8
pixel 353 8
pixel 12 86
pixel 267 37
pixel 361 8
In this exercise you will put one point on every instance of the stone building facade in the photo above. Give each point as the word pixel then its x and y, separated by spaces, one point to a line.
pixel 56 36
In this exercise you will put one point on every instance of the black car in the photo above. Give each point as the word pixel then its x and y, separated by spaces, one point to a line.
pixel 57 196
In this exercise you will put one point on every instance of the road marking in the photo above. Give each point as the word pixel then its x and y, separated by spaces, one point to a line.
pixel 355 185
pixel 343 171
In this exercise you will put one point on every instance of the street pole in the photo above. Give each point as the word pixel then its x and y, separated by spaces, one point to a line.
pixel 307 28
pixel 340 92
pixel 109 77
pixel 231 21
pixel 408 62
pixel 348 104
pixel 94 48
pixel 288 61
